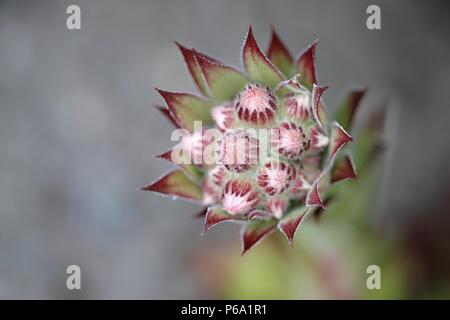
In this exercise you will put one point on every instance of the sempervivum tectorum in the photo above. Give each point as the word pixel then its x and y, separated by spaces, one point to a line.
pixel 256 146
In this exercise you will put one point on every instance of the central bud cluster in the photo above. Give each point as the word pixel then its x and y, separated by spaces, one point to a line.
pixel 265 140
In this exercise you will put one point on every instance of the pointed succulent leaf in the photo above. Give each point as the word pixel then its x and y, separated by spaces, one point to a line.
pixel 166 112
pixel 258 66
pixel 317 106
pixel 176 183
pixel 306 65
pixel 187 108
pixel 194 68
pixel 255 231
pixel 216 215
pixel 289 224
pixel 314 197
pixel 343 168
pixel 191 170
pixel 339 138
pixel 223 81
pixel 346 110
pixel 279 55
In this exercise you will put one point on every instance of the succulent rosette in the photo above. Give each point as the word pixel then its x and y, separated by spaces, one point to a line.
pixel 256 146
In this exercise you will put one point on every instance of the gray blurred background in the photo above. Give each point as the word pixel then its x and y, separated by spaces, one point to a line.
pixel 77 130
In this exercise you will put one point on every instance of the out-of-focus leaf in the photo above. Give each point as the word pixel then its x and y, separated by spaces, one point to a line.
pixel 166 112
pixel 346 110
pixel 279 55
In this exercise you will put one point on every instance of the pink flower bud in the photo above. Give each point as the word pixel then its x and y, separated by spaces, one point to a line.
pixel 256 105
pixel 239 197
pixel 289 140
pixel 238 151
pixel 275 177
pixel 298 106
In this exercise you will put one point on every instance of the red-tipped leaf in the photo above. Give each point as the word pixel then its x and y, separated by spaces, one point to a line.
pixel 258 66
pixel 279 55
pixel 343 168
pixel 187 108
pixel 224 82
pixel 255 231
pixel 317 106
pixel 289 224
pixel 216 215
pixel 306 65
pixel 177 184
pixel 166 112
pixel 194 68
pixel 339 138
pixel 314 197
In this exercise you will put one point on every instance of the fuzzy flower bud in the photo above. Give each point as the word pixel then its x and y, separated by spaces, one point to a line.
pixel 275 177
pixel 239 197
pixel 289 140
pixel 256 105
pixel 238 151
